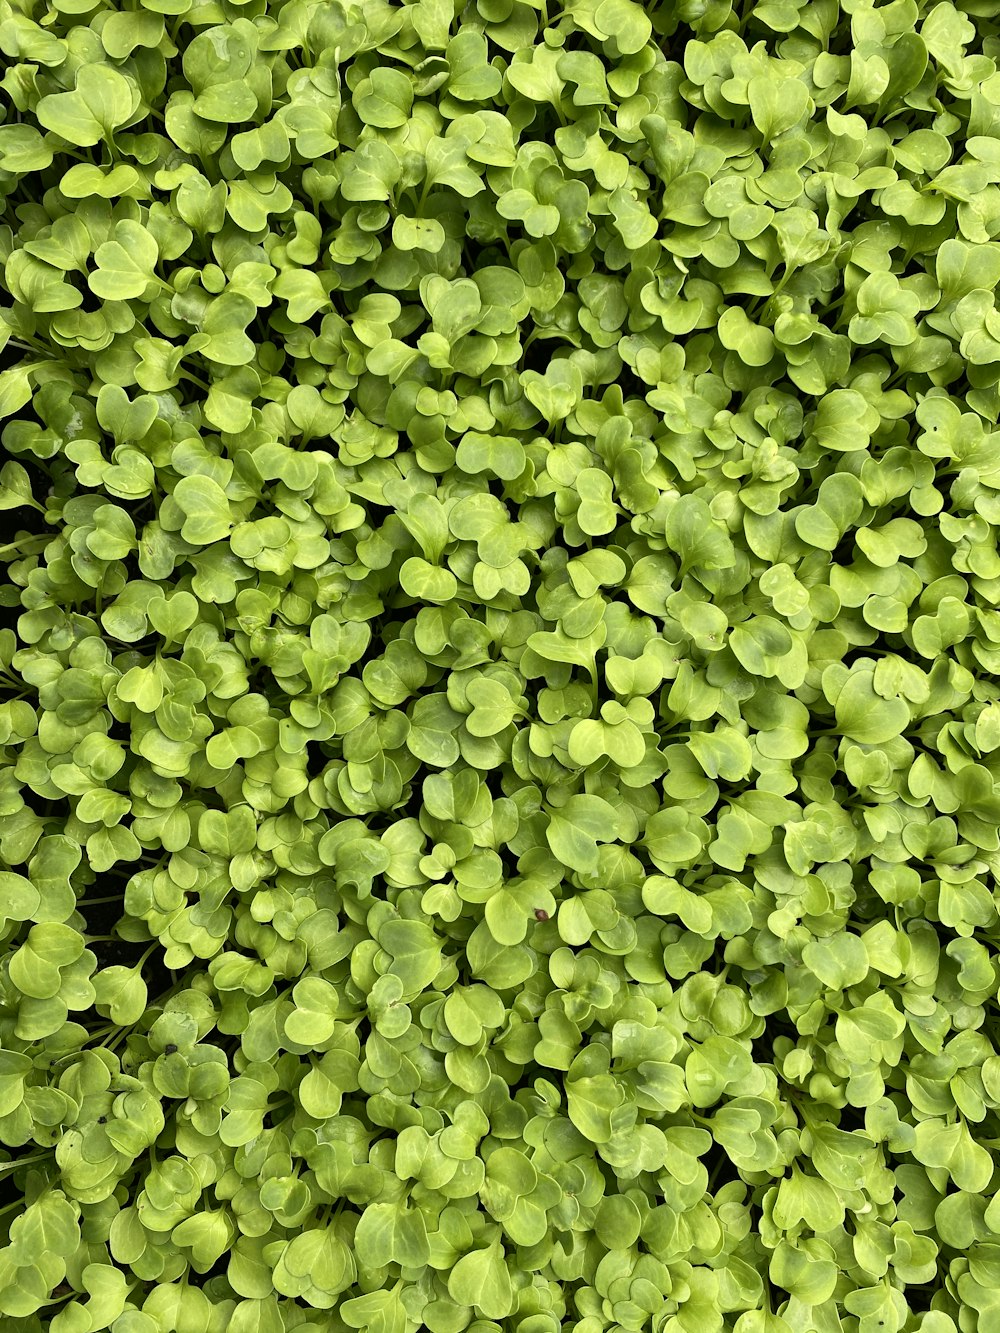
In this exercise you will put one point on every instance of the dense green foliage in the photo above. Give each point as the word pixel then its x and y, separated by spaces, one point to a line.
pixel 501 679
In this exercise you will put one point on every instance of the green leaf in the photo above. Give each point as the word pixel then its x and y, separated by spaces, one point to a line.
pixel 390 1233
pixel 19 899
pixel 480 1279
pixel 124 265
pixel 102 101
pixel 203 503
pixel 575 829
pixel 861 713
pixel 692 532
pixel 839 961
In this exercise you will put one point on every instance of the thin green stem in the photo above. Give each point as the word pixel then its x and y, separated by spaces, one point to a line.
pixel 27 344
pixel 26 1161
pixel 151 950
pixel 43 538
pixel 594 690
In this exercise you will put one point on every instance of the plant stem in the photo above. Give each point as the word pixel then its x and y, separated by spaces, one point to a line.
pixel 43 537
pixel 25 1161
